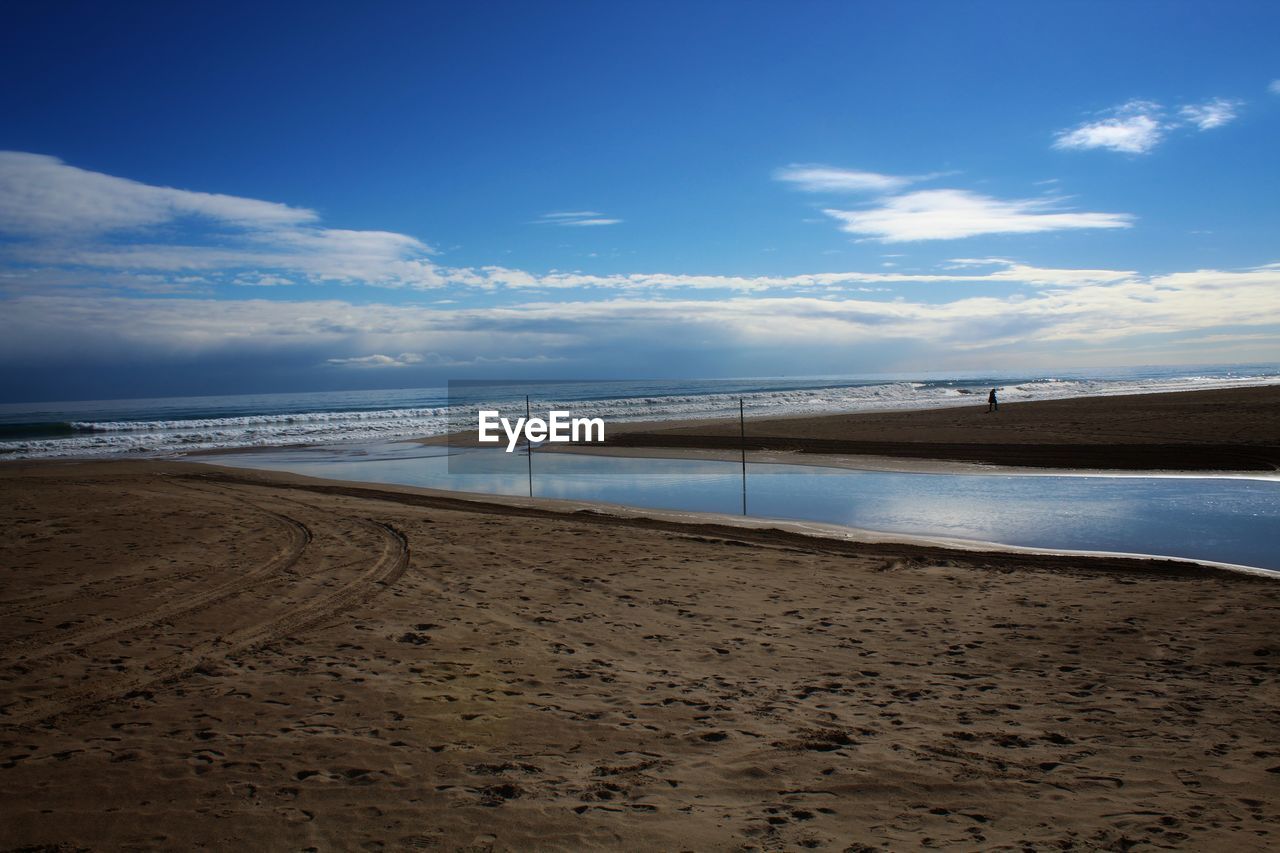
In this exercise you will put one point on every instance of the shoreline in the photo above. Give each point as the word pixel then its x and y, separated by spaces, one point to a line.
pixel 725 524
pixel 1170 431
pixel 1225 429
pixel 901 464
pixel 899 543
pixel 1178 431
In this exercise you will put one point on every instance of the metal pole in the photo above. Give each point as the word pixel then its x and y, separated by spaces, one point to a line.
pixel 528 445
pixel 742 433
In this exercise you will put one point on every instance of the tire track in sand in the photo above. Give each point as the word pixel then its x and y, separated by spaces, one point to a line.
pixel 390 565
pixel 110 586
pixel 299 535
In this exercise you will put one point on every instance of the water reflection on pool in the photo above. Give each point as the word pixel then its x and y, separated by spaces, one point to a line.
pixel 1220 519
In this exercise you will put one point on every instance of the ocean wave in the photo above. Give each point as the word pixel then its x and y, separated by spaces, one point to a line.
pixel 175 437
pixel 252 421
pixel 35 429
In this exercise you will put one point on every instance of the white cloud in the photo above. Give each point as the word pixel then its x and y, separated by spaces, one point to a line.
pixel 42 196
pixel 63 216
pixel 1211 114
pixel 960 263
pixel 261 280
pixel 1274 87
pixel 287 246
pixel 942 214
pixel 1137 126
pixel 644 312
pixel 816 178
pixel 1107 311
pixel 953 214
pixel 423 275
pixel 64 295
pixel 1133 128
pixel 576 218
pixel 404 359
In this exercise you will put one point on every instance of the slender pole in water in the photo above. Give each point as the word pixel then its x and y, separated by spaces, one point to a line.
pixel 528 445
pixel 742 433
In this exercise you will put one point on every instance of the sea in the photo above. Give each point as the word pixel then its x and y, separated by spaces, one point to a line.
pixel 175 426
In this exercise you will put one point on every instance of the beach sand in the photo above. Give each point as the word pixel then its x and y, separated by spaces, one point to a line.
pixel 1235 429
pixel 203 658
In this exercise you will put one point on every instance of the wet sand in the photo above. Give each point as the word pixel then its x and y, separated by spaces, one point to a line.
pixel 195 657
pixel 1234 429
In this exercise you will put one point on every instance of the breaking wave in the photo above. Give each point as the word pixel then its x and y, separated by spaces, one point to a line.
pixel 618 401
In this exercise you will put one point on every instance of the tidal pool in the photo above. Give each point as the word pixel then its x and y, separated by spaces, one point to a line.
pixel 1222 519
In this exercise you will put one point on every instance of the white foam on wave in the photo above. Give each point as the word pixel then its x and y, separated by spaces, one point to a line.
pixel 299 419
pixel 169 437
pixel 164 438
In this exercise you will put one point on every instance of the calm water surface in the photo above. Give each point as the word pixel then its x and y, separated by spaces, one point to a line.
pixel 1220 519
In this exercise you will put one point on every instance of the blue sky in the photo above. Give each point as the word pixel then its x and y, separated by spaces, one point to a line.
pixel 212 199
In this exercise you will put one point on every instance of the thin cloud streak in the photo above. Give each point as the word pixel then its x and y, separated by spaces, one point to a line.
pixel 576 218
pixel 816 178
pixel 955 214
pixel 423 275
pixel 377 360
pixel 941 214
pixel 1194 302
pixel 42 196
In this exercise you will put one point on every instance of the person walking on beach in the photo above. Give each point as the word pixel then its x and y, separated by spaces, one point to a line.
pixel 992 403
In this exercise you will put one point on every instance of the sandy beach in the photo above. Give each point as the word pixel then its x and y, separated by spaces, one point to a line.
pixel 1230 429
pixel 513 427
pixel 204 658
